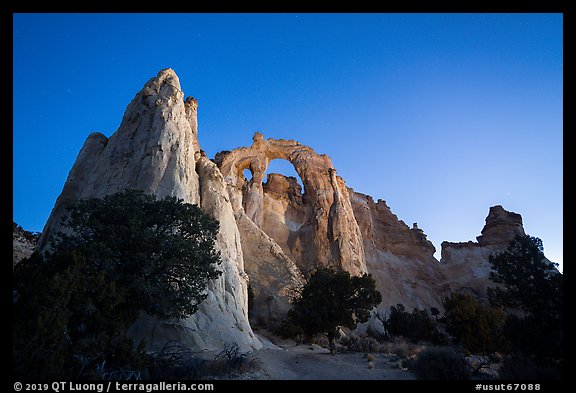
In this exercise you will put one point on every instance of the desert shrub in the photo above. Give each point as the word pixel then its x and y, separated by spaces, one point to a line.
pixel 361 344
pixel 441 363
pixel 175 361
pixel 524 368
pixel 347 340
pixel 478 328
pixel 231 361
pixel 320 340
pixel 532 285
pixel 331 299
pixel 399 346
pixel 415 326
pixel 120 256
pixel 289 329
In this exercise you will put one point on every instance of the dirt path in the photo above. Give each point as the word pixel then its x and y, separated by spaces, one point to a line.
pixel 287 360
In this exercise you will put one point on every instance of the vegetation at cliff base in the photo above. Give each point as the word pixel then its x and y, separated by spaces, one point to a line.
pixel 118 257
pixel 331 299
pixel 476 327
pixel 415 326
pixel 520 324
pixel 532 291
pixel 441 363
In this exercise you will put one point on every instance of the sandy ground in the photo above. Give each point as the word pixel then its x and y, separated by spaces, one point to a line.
pixel 288 361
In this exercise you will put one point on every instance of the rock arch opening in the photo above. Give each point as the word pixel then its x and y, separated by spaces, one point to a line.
pixel 298 222
pixel 285 212
pixel 284 168
pixel 293 215
pixel 247 174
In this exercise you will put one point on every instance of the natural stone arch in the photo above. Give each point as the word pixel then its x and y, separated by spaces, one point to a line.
pixel 285 216
pixel 331 217
pixel 283 168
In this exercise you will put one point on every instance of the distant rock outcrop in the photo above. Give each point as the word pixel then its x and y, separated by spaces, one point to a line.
pixel 23 243
pixel 466 265
pixel 501 227
pixel 273 232
pixel 400 258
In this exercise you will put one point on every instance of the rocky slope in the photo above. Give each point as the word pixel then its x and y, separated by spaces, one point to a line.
pixel 272 232
pixel 23 243
pixel 400 258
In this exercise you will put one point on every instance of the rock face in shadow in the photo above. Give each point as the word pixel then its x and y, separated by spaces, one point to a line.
pixel 285 213
pixel 274 277
pixel 23 243
pixel 156 150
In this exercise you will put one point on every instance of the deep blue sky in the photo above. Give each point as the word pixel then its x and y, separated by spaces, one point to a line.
pixel 441 115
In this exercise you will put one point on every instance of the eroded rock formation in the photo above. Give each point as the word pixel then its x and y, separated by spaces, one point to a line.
pixel 324 224
pixel 286 234
pixel 152 150
pixel 23 243
pixel 155 150
pixel 272 232
pixel 501 227
pixel 466 264
pixel 400 258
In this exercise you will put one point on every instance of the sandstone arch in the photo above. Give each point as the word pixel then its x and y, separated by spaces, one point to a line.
pixel 334 236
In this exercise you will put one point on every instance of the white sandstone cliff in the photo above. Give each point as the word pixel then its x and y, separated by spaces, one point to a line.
pixel 155 150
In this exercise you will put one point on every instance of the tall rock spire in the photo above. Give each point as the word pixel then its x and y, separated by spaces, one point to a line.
pixel 500 228
pixel 155 150
pixel 467 264
pixel 152 150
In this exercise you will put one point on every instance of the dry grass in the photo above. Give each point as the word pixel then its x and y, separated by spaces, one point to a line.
pixel 177 362
pixel 404 349
pixel 397 346
pixel 354 343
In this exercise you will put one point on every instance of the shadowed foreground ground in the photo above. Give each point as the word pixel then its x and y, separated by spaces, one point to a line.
pixel 286 360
